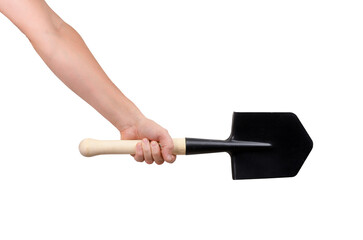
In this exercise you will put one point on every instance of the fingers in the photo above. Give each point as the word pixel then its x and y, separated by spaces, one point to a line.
pixel 139 155
pixel 151 152
pixel 167 146
pixel 147 151
pixel 156 154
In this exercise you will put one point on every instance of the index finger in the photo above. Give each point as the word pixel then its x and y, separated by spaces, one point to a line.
pixel 167 147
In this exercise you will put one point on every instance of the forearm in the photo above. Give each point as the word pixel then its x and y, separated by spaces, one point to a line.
pixel 68 57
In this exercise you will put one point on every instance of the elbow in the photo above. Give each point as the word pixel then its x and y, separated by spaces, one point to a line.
pixel 44 33
pixel 47 40
pixel 58 25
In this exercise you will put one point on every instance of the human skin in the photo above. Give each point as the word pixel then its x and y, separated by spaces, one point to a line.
pixel 66 54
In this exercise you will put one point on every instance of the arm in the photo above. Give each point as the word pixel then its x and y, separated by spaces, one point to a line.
pixel 66 54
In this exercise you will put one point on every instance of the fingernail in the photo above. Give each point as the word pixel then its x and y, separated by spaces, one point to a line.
pixel 170 158
pixel 145 140
pixel 154 144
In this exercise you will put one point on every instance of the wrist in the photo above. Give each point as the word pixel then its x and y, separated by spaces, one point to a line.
pixel 129 118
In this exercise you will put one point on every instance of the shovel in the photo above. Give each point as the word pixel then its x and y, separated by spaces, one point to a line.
pixel 261 145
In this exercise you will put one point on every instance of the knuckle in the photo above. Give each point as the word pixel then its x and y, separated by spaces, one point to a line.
pixel 147 151
pixel 154 145
pixel 155 149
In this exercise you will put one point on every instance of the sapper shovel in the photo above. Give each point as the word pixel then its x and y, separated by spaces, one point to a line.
pixel 261 145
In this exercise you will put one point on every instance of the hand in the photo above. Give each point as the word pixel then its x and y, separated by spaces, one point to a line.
pixel 156 144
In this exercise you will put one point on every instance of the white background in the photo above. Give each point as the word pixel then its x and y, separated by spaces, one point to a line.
pixel 187 65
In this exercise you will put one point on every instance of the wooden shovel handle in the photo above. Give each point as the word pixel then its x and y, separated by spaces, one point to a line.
pixel 92 147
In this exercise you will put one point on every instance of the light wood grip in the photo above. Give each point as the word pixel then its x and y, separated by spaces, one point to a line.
pixel 91 147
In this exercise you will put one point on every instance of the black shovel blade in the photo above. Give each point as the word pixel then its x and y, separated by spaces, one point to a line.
pixel 290 145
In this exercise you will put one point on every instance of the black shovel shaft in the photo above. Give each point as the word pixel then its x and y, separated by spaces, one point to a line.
pixel 199 146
